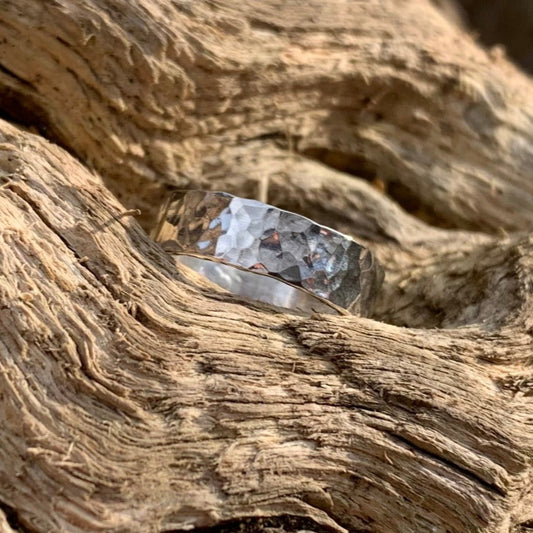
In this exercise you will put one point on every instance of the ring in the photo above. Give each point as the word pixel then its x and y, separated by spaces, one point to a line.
pixel 259 252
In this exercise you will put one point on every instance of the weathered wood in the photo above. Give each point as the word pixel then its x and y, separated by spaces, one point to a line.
pixel 144 90
pixel 134 397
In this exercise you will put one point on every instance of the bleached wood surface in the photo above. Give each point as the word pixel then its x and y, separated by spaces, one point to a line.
pixel 134 397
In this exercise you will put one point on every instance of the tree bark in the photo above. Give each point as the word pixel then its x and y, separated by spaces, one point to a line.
pixel 137 396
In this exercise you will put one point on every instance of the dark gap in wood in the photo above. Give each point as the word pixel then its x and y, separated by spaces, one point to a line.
pixel 13 519
pixel 503 22
pixel 460 469
pixel 356 165
pixel 277 524
pixel 18 107
pixel 361 167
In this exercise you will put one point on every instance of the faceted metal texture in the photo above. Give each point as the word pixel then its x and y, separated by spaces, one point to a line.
pixel 261 238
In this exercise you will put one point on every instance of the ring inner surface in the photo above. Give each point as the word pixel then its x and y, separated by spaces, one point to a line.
pixel 253 286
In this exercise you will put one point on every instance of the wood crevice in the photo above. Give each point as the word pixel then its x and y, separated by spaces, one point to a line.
pixel 136 396
pixel 13 520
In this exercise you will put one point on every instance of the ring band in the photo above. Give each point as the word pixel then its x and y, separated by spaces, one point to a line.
pixel 260 252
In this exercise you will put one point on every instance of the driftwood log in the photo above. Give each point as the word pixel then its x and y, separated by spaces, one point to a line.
pixel 138 397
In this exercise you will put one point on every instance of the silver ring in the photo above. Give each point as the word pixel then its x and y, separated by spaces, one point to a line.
pixel 259 252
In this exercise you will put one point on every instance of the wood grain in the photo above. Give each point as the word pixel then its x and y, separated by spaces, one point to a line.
pixel 135 396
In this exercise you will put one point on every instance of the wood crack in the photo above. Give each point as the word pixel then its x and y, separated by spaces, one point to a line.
pixel 281 524
pixel 424 451
pixel 13 519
